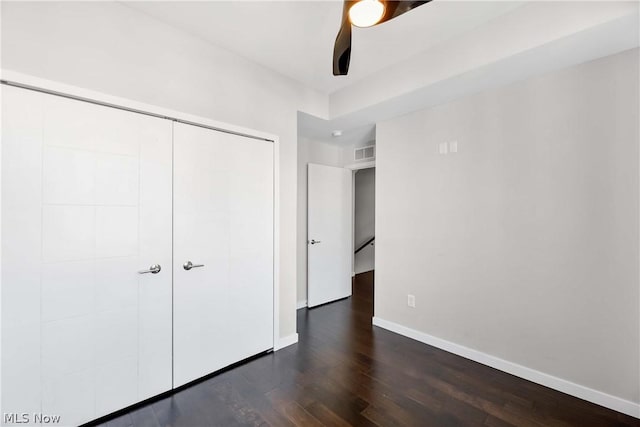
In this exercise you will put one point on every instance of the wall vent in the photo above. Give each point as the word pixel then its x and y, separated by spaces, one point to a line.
pixel 364 153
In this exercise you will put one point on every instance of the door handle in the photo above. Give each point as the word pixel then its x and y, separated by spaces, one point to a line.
pixel 154 269
pixel 313 242
pixel 189 265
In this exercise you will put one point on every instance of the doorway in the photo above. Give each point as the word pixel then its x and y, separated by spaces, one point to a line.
pixel 341 231
pixel 364 225
pixel 364 235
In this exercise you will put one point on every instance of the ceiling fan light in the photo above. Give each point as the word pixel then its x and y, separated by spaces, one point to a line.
pixel 366 13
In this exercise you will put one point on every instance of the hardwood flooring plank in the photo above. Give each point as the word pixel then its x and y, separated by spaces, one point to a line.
pixel 326 416
pixel 144 417
pixel 292 410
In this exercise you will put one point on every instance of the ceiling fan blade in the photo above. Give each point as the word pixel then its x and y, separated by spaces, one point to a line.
pixel 342 46
pixel 393 9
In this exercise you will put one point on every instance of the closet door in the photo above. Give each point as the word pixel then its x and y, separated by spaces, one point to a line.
pixel 223 250
pixel 86 206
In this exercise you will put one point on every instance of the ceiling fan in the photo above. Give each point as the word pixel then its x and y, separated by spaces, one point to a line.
pixel 364 13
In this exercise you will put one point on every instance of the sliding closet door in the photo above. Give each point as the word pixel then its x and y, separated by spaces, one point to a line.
pixel 223 250
pixel 86 206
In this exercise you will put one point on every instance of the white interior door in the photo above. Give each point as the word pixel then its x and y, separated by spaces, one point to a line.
pixel 86 204
pixel 330 234
pixel 223 226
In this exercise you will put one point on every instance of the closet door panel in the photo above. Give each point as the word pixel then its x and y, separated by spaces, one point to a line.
pixel 200 235
pixel 251 246
pixel 86 204
pixel 223 219
pixel 21 243
pixel 156 245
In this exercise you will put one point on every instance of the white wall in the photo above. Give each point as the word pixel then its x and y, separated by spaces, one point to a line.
pixel 110 48
pixel 309 151
pixel 524 244
pixel 364 218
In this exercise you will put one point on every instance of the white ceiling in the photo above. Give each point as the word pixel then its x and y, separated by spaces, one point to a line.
pixel 295 38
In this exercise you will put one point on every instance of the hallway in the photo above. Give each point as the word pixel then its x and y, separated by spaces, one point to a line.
pixel 344 372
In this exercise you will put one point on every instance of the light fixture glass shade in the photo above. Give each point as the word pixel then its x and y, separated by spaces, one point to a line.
pixel 366 13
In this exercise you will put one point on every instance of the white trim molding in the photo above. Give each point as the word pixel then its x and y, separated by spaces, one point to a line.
pixel 577 390
pixel 301 304
pixel 286 342
pixel 361 165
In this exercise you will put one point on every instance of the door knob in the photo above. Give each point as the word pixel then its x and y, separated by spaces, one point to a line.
pixel 313 242
pixel 154 269
pixel 189 265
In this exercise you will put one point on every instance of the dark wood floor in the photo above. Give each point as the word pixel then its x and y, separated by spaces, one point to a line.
pixel 345 372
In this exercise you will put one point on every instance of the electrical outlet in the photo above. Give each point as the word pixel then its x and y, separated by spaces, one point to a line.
pixel 411 301
pixel 453 147
pixel 443 148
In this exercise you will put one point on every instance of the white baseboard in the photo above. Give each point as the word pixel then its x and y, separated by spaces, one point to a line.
pixel 608 401
pixel 301 304
pixel 286 342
